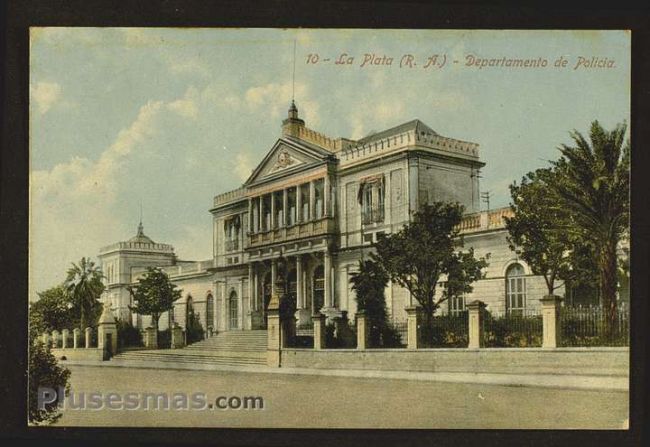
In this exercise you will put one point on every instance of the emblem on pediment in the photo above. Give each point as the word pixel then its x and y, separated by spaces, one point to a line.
pixel 283 161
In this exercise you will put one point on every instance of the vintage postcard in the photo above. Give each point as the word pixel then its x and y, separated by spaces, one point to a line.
pixel 329 228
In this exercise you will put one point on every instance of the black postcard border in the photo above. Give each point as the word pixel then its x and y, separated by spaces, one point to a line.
pixel 14 164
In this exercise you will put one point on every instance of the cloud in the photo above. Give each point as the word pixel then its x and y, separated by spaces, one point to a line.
pixel 274 98
pixel 243 166
pixel 185 107
pixel 45 95
pixel 71 205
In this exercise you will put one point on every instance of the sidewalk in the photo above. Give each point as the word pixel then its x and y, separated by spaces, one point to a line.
pixel 557 381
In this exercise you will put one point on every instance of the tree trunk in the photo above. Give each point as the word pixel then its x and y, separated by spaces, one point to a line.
pixel 608 284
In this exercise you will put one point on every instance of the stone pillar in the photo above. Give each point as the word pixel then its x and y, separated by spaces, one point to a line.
pixel 362 330
pixel 312 200
pixel 107 331
pixel 476 314
pixel 46 339
pixel 302 314
pixel 273 219
pixel 274 275
pixel 55 338
pixel 89 335
pixel 64 338
pixel 250 215
pixel 414 324
pixel 285 205
pixel 76 335
pixel 274 332
pixel 319 331
pixel 328 277
pixel 260 214
pixel 551 320
pixel 178 338
pixel 240 303
pixel 326 195
pixel 151 338
pixel 298 204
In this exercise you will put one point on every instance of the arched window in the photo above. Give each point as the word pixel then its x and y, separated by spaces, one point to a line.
pixel 515 289
pixel 209 311
pixel 233 310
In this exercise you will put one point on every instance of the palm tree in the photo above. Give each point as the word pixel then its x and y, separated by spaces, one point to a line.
pixel 593 191
pixel 84 284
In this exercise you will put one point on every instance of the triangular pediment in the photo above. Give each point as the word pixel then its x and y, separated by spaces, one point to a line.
pixel 286 156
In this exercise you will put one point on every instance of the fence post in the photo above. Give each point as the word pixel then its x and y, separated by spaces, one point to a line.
pixel 551 320
pixel 88 336
pixel 151 338
pixel 76 333
pixel 362 330
pixel 413 320
pixel 274 332
pixel 55 338
pixel 178 340
pixel 64 338
pixel 476 313
pixel 319 331
pixel 46 339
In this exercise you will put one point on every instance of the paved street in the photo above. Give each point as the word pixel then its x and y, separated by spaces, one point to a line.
pixel 344 402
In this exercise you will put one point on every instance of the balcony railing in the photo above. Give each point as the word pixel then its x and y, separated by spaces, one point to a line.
pixel 232 245
pixel 301 230
pixel 372 215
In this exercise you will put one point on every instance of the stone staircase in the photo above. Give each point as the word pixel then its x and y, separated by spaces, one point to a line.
pixel 236 348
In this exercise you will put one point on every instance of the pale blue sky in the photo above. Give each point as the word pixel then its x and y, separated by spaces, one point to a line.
pixel 174 116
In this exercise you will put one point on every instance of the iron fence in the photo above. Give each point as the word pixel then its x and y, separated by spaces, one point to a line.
pixel 588 326
pixel 401 329
pixel 513 330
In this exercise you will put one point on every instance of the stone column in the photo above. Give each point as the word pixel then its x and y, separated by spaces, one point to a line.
pixel 302 314
pixel 551 320
pixel 414 323
pixel 362 330
pixel 298 204
pixel 476 314
pixel 64 338
pixel 76 335
pixel 273 219
pixel 261 213
pixel 326 195
pixel 89 335
pixel 240 314
pixel 285 205
pixel 312 200
pixel 274 275
pixel 250 214
pixel 274 333
pixel 319 331
pixel 328 277
pixel 55 338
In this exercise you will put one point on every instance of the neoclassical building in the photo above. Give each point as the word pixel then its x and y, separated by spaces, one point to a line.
pixel 309 211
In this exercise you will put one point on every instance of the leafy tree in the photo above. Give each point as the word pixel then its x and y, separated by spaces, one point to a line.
pixel 53 310
pixel 593 195
pixel 44 371
pixel 369 284
pixel 154 294
pixel 537 236
pixel 416 256
pixel 84 285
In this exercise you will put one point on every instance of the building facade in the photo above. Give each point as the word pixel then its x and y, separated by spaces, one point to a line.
pixel 309 212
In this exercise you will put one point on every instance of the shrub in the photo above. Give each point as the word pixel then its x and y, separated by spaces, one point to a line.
pixel 128 335
pixel 44 371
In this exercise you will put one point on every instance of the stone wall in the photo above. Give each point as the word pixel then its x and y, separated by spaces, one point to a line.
pixel 86 354
pixel 601 361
